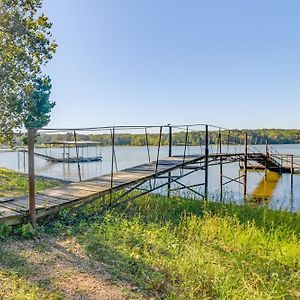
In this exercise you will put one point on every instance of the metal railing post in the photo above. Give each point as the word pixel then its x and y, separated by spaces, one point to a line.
pixel 185 147
pixel 77 155
pixel 158 152
pixel 170 155
pixel 221 165
pixel 206 163
pixel 245 163
pixel 31 176
pixel 267 155
pixel 267 147
pixel 292 171
pixel 170 140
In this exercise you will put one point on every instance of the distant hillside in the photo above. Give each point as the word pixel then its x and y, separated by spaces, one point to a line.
pixel 256 136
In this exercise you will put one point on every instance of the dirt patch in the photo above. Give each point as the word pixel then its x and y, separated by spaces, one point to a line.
pixel 60 265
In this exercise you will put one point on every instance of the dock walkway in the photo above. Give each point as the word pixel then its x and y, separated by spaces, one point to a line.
pixel 50 201
pixel 16 210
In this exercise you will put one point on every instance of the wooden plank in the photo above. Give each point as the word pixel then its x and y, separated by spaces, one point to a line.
pixel 58 194
pixel 18 205
pixel 48 199
pixel 75 190
pixel 150 169
pixel 106 182
pixel 100 181
pixel 100 190
pixel 6 199
pixel 15 207
pixel 89 187
pixel 67 194
pixel 129 176
pixel 7 213
pixel 22 204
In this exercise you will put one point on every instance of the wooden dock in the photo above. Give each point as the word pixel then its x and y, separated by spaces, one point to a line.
pixel 16 210
pixel 48 202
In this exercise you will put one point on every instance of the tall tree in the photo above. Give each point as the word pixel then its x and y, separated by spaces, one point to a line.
pixel 38 104
pixel 25 46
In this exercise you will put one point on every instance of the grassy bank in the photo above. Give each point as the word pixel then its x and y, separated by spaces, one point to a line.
pixel 168 248
pixel 14 183
pixel 182 249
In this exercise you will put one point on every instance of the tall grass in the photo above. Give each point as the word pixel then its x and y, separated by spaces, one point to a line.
pixel 173 248
pixel 176 248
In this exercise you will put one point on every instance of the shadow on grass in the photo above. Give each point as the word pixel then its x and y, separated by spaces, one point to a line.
pixel 13 261
pixel 41 276
pixel 16 273
pixel 126 267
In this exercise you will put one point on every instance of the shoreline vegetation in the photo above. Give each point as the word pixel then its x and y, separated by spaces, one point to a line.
pixel 195 138
pixel 13 183
pixel 155 247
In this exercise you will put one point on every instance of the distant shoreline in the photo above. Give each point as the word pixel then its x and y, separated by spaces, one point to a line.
pixel 41 146
pixel 195 138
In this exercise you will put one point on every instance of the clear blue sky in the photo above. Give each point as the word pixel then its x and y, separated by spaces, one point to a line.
pixel 230 63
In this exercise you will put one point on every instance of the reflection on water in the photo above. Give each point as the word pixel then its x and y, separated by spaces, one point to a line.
pixel 266 186
pixel 275 190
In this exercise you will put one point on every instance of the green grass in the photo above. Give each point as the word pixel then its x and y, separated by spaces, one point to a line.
pixel 14 270
pixel 185 249
pixel 14 184
pixel 175 248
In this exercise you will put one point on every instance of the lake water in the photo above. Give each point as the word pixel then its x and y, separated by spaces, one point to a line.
pixel 274 191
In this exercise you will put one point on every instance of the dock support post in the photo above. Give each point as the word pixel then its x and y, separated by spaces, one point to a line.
pixel 31 176
pixel 206 163
pixel 64 152
pixel 77 155
pixel 267 155
pixel 221 166
pixel 292 171
pixel 245 163
pixel 170 154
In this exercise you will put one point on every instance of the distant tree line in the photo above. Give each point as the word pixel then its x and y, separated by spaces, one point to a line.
pixel 257 136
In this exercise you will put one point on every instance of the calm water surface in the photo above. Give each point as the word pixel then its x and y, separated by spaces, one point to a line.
pixel 274 191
